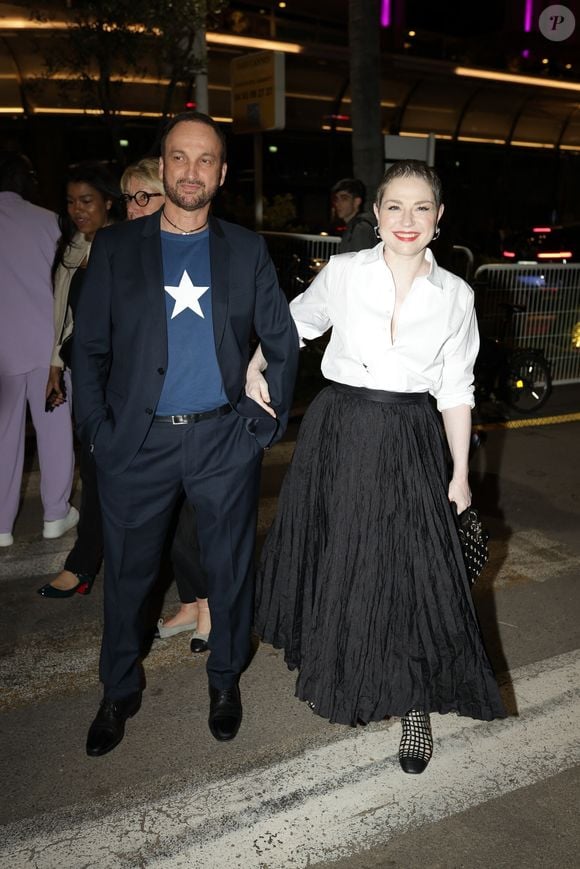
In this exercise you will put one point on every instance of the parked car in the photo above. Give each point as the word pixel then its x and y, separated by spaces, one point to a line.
pixel 552 244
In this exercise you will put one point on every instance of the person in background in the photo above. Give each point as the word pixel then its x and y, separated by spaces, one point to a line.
pixel 357 227
pixel 362 580
pixel 144 194
pixel 93 200
pixel 142 188
pixel 28 238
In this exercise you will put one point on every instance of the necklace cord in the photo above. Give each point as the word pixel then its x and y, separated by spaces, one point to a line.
pixel 182 231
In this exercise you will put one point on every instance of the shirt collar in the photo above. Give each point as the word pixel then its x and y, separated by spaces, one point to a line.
pixel 434 276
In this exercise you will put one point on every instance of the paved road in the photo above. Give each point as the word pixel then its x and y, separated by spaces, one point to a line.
pixel 292 790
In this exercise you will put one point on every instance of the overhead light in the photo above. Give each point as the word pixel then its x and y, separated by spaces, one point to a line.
pixel 522 144
pixel 249 42
pixel 412 33
pixel 509 254
pixel 481 140
pixel 542 229
pixel 545 60
pixel 337 129
pixel 124 113
pixel 385 13
pixel 493 75
pixel 22 23
pixel 558 254
pixel 31 24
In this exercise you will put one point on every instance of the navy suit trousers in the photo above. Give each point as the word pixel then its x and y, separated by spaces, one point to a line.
pixel 217 462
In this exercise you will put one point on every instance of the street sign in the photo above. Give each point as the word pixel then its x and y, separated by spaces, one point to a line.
pixel 258 92
pixel 409 148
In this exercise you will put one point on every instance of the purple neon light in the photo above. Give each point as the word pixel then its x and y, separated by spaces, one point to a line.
pixel 528 15
pixel 386 13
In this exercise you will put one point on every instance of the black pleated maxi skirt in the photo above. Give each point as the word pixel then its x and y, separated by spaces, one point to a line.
pixel 361 580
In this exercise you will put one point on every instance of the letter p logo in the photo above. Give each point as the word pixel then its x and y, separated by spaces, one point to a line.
pixel 557 23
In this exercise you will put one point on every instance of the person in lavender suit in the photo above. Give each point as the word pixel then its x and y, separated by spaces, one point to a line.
pixel 28 237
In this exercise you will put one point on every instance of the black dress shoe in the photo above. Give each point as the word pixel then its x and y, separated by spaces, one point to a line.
pixel 108 728
pixel 225 712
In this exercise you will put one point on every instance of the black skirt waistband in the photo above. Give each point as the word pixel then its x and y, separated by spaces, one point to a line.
pixel 381 395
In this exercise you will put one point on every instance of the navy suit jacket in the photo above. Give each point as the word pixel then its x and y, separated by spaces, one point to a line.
pixel 120 334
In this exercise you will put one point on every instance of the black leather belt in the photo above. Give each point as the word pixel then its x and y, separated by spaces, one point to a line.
pixel 184 418
pixel 381 396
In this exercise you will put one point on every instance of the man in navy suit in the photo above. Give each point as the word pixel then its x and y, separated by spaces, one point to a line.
pixel 162 336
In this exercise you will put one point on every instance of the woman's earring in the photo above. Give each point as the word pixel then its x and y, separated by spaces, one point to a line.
pixel 437 233
pixel 377 233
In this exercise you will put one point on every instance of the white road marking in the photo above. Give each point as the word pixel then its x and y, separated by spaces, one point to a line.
pixel 328 802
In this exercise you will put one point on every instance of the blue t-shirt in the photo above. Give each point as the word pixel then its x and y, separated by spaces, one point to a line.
pixel 193 381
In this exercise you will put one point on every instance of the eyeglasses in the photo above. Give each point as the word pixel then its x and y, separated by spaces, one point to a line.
pixel 141 197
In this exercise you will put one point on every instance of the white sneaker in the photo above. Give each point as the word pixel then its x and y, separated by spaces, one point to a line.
pixel 59 527
pixel 6 539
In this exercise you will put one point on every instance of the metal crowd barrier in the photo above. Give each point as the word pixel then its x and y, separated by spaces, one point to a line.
pixel 550 319
pixel 298 256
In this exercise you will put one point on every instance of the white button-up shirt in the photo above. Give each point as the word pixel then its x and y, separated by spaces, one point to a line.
pixel 436 341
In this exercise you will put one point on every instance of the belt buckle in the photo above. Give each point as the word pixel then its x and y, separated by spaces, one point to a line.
pixel 178 419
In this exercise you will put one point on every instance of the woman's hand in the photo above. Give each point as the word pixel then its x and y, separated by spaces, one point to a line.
pixel 460 493
pixel 53 387
pixel 257 390
pixel 256 384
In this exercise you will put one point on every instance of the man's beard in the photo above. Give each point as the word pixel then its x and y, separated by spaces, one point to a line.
pixel 190 201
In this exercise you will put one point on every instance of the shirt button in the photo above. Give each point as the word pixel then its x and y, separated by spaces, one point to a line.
pixel 161 371
pixel 149 410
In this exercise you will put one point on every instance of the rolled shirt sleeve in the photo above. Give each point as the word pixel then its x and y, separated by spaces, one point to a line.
pixel 310 309
pixel 459 355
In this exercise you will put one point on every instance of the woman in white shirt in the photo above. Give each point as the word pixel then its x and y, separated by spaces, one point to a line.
pixel 362 579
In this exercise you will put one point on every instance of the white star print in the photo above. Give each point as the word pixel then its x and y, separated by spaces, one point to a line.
pixel 186 295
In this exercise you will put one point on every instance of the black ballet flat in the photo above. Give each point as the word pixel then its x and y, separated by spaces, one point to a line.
pixel 199 643
pixel 83 586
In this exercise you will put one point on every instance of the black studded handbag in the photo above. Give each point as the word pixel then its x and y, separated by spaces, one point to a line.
pixel 473 538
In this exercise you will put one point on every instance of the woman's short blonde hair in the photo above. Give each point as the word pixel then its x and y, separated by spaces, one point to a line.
pixel 147 170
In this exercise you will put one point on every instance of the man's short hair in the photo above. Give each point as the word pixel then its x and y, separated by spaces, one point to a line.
pixel 16 174
pixel 350 185
pixel 199 118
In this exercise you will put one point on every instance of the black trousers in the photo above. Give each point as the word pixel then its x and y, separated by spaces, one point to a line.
pixel 186 557
pixel 217 462
pixel 86 556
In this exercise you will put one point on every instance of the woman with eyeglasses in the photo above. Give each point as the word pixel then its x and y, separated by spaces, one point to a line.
pixel 92 201
pixel 143 194
pixel 142 188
